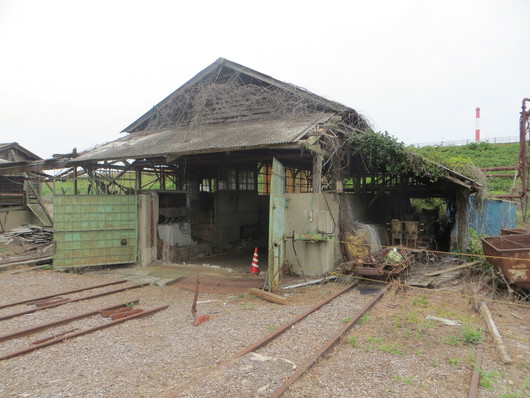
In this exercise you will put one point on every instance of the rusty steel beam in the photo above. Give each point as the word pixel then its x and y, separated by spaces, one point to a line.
pixel 54 336
pixel 499 168
pixel 475 377
pixel 126 314
pixel 26 332
pixel 523 162
pixel 72 301
pixel 80 333
pixel 46 303
pixel 326 346
pixel 60 294
pixel 499 175
pixel 515 196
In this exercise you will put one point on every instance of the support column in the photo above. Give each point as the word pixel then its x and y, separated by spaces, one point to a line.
pixel 317 172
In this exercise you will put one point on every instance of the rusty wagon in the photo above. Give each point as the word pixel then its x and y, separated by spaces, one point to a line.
pixel 510 254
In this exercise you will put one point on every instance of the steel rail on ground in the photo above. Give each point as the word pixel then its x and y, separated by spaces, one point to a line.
pixel 60 294
pixel 9 316
pixel 267 339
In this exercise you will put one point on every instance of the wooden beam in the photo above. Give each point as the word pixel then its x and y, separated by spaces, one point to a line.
pixel 500 175
pixel 457 267
pixel 29 261
pixel 497 338
pixel 268 296
pixel 37 196
pixel 500 168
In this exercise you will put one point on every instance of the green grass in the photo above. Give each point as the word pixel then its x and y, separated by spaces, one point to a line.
pixel 364 318
pixel 391 349
pixel 471 334
pixel 421 302
pixel 481 154
pixel 380 344
pixel 406 381
pixel 487 379
pixel 128 180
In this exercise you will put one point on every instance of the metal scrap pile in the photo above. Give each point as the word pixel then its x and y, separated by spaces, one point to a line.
pixel 32 234
pixel 389 261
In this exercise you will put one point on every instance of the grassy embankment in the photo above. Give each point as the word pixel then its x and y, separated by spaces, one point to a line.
pixel 481 155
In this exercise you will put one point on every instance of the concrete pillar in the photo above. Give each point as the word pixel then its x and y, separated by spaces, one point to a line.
pixel 147 227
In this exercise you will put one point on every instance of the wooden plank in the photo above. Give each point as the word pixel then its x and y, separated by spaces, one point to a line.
pixel 29 261
pixel 421 281
pixel 497 338
pixel 268 296
pixel 457 267
pixel 30 269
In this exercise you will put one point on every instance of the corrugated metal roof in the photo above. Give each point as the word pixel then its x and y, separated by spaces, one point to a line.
pixel 189 139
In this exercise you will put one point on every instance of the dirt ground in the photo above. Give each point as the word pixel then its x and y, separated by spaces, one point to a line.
pixel 394 351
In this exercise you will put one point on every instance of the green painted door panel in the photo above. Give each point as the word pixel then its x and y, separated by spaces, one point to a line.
pixel 94 230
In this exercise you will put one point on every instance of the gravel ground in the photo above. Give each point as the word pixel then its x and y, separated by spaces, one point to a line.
pixel 143 357
pixel 394 352
pixel 259 373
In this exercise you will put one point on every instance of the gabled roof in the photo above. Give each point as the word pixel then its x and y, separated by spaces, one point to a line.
pixel 226 106
pixel 14 152
pixel 221 72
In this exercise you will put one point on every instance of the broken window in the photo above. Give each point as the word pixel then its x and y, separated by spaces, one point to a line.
pixel 264 178
pixel 246 180
pixel 290 175
pixel 303 181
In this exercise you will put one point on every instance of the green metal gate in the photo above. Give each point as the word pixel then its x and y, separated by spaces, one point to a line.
pixel 94 230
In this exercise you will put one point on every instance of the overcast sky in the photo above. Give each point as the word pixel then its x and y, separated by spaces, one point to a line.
pixel 75 73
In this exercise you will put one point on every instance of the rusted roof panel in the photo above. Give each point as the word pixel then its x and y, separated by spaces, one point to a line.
pixel 207 138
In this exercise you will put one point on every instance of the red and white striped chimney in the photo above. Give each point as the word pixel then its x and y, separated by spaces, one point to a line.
pixel 477 128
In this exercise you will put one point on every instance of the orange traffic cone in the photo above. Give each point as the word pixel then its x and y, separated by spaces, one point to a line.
pixel 254 268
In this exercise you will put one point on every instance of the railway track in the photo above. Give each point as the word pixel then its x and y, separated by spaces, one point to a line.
pixel 22 341
pixel 268 367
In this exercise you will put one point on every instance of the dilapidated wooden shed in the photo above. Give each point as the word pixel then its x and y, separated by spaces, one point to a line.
pixel 233 155
pixel 19 188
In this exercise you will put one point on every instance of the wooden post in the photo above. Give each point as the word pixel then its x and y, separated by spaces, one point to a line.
pixel 75 181
pixel 138 179
pixel 317 172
